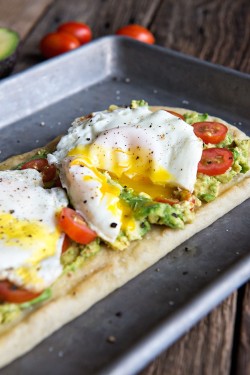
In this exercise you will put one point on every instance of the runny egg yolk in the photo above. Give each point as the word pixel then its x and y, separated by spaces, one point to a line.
pixel 111 193
pixel 127 219
pixel 135 168
pixel 36 240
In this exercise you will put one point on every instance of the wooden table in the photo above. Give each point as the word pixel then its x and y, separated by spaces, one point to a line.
pixel 217 31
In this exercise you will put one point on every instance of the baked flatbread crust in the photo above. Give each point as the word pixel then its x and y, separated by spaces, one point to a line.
pixel 76 292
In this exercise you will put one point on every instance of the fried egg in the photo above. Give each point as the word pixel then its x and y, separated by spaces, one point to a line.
pixel 30 240
pixel 152 152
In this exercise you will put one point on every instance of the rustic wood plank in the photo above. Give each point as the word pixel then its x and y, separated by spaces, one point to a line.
pixel 21 16
pixel 205 350
pixel 105 22
pixel 217 31
pixel 209 30
pixel 141 12
pixel 242 349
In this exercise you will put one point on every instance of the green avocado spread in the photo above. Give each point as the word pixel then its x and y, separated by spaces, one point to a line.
pixel 145 211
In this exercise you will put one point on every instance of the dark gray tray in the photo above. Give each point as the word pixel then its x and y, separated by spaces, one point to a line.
pixel 153 310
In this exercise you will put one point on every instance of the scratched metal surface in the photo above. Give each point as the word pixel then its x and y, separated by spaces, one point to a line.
pixel 153 310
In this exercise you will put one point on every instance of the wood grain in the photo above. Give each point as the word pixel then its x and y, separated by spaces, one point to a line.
pixel 205 350
pixel 216 31
pixel 21 16
pixel 241 365
pixel 98 14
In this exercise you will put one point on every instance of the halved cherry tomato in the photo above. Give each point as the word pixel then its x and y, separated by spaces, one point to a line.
pixel 137 32
pixel 41 165
pixel 57 182
pixel 66 243
pixel 79 30
pixel 54 44
pixel 176 114
pixel 210 131
pixel 170 201
pixel 75 227
pixel 215 161
pixel 13 294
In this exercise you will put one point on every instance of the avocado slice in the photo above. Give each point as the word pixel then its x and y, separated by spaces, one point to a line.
pixel 9 42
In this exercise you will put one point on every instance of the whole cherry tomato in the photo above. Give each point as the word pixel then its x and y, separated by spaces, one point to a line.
pixel 79 30
pixel 137 32
pixel 54 44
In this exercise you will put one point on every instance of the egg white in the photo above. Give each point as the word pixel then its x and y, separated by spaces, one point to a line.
pixel 149 151
pixel 30 240
pixel 94 197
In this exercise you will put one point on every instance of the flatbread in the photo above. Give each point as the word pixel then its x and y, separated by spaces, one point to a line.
pixel 76 292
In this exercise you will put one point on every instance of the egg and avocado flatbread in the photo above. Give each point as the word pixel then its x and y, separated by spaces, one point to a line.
pixel 140 202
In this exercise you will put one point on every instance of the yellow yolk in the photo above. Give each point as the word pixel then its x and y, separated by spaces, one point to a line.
pixel 144 184
pixel 29 236
pixel 135 169
pixel 110 191
pixel 152 153
pixel 127 219
pixel 30 239
pixel 106 186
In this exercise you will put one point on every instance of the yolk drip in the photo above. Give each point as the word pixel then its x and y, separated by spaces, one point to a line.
pixel 108 190
pixel 127 219
pixel 136 168
pixel 111 193
pixel 144 184
pixel 26 235
pixel 34 238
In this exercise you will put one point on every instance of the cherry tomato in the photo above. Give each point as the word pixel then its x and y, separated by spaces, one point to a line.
pixel 75 227
pixel 66 243
pixel 210 132
pixel 10 293
pixel 176 114
pixel 57 182
pixel 54 44
pixel 137 32
pixel 41 165
pixel 215 161
pixel 170 201
pixel 79 30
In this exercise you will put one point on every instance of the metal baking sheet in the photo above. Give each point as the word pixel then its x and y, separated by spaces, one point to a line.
pixel 150 312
